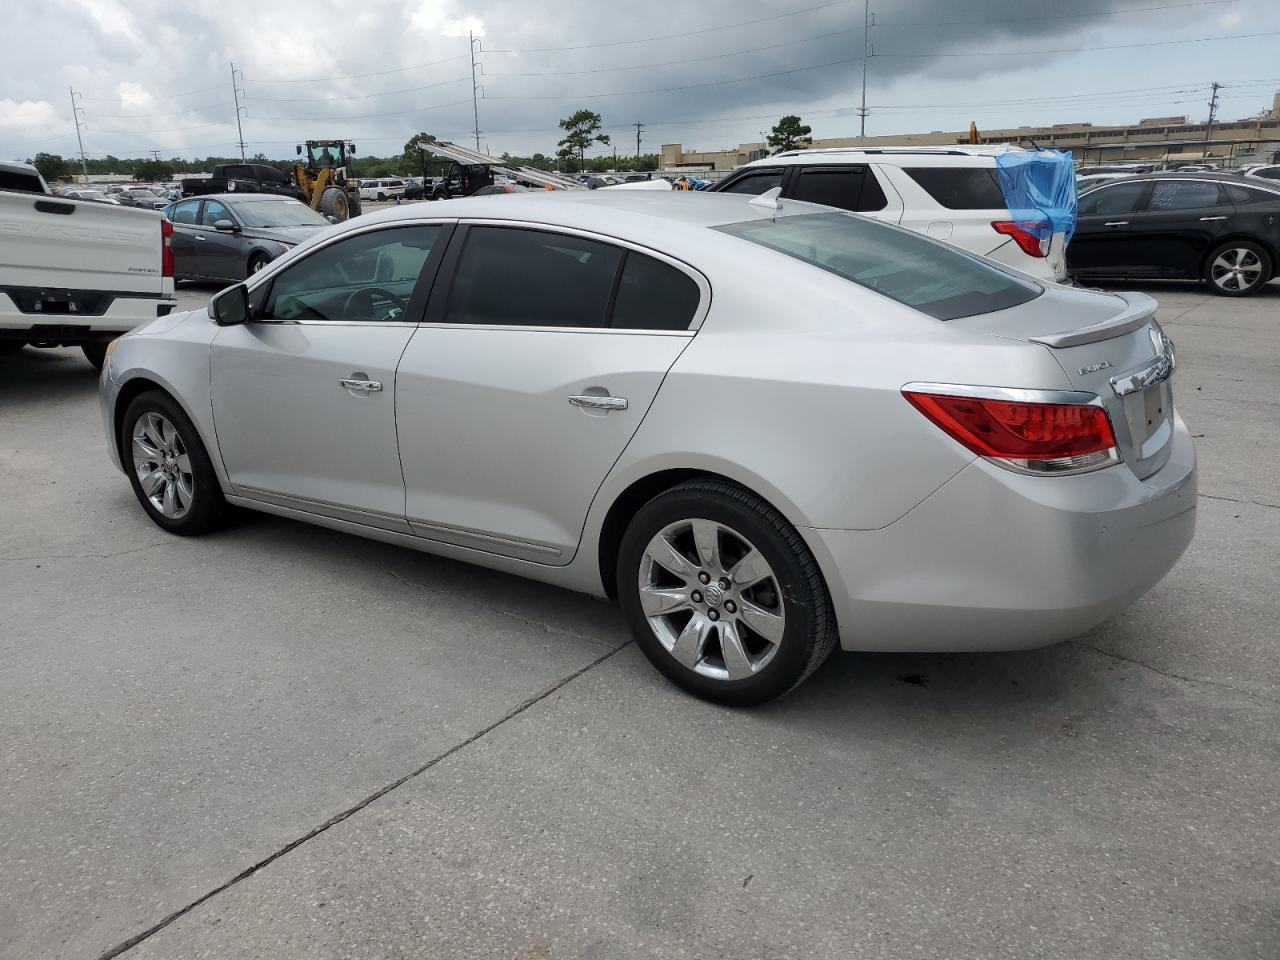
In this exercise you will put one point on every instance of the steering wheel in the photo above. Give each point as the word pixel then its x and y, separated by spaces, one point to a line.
pixel 363 298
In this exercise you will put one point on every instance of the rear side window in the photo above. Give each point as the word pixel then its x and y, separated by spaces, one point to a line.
pixel 849 188
pixel 1108 200
pixel 960 188
pixel 755 183
pixel 935 279
pixel 1269 173
pixel 653 295
pixel 509 276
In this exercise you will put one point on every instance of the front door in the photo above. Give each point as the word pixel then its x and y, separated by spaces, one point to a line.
pixel 220 255
pixel 186 224
pixel 541 355
pixel 1102 244
pixel 1182 222
pixel 303 394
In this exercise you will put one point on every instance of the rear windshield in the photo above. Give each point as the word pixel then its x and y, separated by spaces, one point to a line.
pixel 935 279
pixel 960 188
pixel 21 182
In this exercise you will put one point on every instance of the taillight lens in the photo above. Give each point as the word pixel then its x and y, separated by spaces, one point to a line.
pixel 166 248
pixel 1030 437
pixel 1032 236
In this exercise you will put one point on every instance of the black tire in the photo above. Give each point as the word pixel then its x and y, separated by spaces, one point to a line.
pixel 256 262
pixel 796 586
pixel 206 506
pixel 1251 257
pixel 95 353
pixel 354 205
pixel 10 347
pixel 381 197
pixel 334 203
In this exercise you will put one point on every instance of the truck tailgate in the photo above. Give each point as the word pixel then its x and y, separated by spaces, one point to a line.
pixel 80 245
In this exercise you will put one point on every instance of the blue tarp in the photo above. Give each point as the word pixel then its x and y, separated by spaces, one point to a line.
pixel 1039 189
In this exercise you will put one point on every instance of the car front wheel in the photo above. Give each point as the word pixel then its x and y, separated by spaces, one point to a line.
pixel 723 595
pixel 1238 268
pixel 168 466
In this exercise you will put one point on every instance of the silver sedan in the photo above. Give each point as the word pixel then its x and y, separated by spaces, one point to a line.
pixel 762 427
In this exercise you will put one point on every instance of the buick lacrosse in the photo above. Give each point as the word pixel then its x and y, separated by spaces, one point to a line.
pixel 762 427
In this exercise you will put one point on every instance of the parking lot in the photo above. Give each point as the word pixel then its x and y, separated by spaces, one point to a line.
pixel 279 741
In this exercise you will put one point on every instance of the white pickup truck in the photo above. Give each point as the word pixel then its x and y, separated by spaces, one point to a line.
pixel 75 272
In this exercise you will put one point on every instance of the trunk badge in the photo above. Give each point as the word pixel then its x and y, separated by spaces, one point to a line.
pixel 1095 367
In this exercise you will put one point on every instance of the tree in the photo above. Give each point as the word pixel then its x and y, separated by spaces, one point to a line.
pixel 413 157
pixel 153 171
pixel 789 134
pixel 581 130
pixel 52 167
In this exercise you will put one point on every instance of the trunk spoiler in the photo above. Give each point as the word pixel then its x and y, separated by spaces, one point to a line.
pixel 1139 310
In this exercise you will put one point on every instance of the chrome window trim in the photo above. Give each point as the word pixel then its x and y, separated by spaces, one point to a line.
pixel 688 269
pixel 610 331
pixel 1008 394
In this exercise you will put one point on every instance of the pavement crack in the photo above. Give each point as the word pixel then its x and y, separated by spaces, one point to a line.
pixel 357 807
pixel 1255 503
pixel 89 556
pixel 1182 677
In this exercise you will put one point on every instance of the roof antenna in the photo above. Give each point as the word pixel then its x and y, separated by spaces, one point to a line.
pixel 769 200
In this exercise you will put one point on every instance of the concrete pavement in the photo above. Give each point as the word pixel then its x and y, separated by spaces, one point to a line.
pixel 282 742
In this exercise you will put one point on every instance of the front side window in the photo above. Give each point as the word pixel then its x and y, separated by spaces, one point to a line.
pixel 960 188
pixel 1107 201
pixel 535 278
pixel 1183 195
pixel 935 279
pixel 368 277
pixel 214 210
pixel 755 184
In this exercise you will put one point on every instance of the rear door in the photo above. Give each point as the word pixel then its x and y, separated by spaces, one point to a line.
pixel 851 187
pixel 1183 220
pixel 1104 219
pixel 752 181
pixel 540 357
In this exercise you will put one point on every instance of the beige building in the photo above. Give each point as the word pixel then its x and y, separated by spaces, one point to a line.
pixel 1162 139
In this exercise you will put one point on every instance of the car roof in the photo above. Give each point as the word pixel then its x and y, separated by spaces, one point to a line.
pixel 937 155
pixel 241 197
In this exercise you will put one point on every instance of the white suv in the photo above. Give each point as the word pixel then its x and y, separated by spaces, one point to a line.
pixel 381 189
pixel 948 193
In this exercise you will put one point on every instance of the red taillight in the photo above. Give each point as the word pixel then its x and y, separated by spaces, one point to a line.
pixel 1029 436
pixel 1032 236
pixel 166 248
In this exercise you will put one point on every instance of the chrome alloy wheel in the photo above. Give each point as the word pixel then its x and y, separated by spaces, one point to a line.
pixel 1236 269
pixel 711 599
pixel 162 465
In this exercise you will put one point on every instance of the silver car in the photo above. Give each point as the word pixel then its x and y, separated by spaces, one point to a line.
pixel 763 427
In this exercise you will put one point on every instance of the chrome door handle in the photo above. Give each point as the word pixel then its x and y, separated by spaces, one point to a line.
pixel 1118 223
pixel 362 386
pixel 199 236
pixel 1204 219
pixel 599 403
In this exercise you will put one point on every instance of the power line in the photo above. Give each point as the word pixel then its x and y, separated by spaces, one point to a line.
pixel 364 96
pixel 362 76
pixel 1116 46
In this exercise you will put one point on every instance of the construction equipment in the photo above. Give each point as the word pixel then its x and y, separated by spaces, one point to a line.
pixel 471 170
pixel 323 178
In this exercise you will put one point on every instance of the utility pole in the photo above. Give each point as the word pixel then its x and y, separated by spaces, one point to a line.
pixel 1213 113
pixel 639 126
pixel 76 113
pixel 868 21
pixel 236 92
pixel 155 155
pixel 475 87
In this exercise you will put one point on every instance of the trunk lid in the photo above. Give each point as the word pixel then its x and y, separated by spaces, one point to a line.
pixel 1109 345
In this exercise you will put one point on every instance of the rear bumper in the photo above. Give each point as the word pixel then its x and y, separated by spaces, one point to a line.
pixel 122 315
pixel 998 561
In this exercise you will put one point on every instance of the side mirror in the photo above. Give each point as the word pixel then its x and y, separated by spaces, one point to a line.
pixel 298 148
pixel 225 226
pixel 351 148
pixel 230 307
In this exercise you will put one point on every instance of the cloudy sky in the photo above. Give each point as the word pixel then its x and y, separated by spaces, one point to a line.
pixel 156 75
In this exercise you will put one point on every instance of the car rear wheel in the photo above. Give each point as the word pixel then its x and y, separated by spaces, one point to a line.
pixel 1238 268
pixel 168 466
pixel 722 594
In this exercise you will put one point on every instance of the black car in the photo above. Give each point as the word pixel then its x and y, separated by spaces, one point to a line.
pixel 230 237
pixel 1222 229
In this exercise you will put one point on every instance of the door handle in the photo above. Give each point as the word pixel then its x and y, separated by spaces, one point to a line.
pixel 199 236
pixel 1118 223
pixel 599 403
pixel 1204 219
pixel 361 386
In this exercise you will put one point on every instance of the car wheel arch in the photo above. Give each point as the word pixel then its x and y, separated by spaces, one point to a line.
pixel 1271 252
pixel 133 388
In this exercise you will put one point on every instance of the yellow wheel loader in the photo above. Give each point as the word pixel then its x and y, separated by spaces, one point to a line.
pixel 323 178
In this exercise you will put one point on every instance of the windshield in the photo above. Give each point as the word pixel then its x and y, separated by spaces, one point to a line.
pixel 935 279
pixel 278 213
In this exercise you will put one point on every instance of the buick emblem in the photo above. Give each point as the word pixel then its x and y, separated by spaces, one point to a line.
pixel 1095 367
